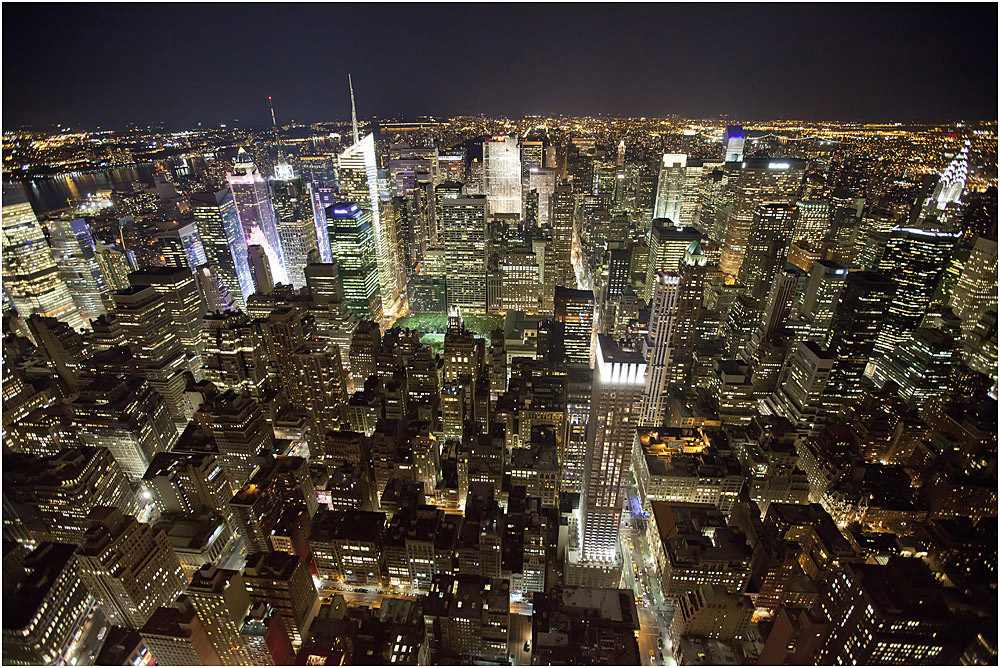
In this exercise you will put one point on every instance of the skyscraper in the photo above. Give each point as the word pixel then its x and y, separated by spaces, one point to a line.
pixel 30 276
pixel 256 212
pixel 260 269
pixel 670 189
pixel 296 226
pixel 767 248
pixel 976 291
pixel 856 324
pixel 733 140
pixel 749 184
pixel 618 385
pixel 574 310
pixel 914 259
pixel 502 175
pixel 559 262
pixel 353 244
pixel 813 222
pixel 667 246
pixel 78 267
pixel 221 601
pixel 358 170
pixel 656 347
pixel 185 304
pixel 224 242
pixel 128 567
pixel 150 333
pixel 462 232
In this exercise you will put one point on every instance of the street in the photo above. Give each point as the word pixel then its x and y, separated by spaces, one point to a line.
pixel 518 633
pixel 640 575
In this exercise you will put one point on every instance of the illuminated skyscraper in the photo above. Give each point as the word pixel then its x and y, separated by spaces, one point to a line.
pixel 767 248
pixel 320 198
pixel 46 604
pixel 462 232
pixel 574 310
pixel 296 226
pixel 667 246
pixel 656 347
pixel 260 269
pixel 358 169
pixel 128 418
pixel 150 333
pixel 733 140
pixel 614 414
pixel 976 291
pixel 221 601
pixel 749 184
pixel 115 266
pixel 256 213
pixel 532 155
pixel 502 175
pixel 128 567
pixel 914 259
pixel 813 222
pixel 951 185
pixel 184 302
pixel 690 307
pixel 224 242
pixel 559 262
pixel 521 282
pixel 283 581
pixel 820 299
pixel 856 324
pixel 353 244
pixel 670 189
pixel 78 266
pixel 30 276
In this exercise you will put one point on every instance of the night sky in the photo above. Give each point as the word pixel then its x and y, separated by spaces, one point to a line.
pixel 109 64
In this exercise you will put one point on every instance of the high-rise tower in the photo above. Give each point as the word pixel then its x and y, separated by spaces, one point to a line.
pixel 256 212
pixel 30 275
pixel 614 414
pixel 502 175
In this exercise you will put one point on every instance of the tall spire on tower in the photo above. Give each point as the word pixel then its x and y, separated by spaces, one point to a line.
pixel 282 170
pixel 354 111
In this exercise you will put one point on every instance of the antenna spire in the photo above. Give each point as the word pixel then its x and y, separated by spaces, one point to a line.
pixel 274 124
pixel 354 111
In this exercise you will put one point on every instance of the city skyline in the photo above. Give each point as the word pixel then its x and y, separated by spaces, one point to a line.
pixel 513 390
pixel 806 62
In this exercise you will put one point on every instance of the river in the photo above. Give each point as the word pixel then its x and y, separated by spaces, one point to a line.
pixel 50 193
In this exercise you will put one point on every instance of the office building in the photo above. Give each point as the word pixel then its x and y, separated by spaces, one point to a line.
pixel 256 212
pixel 749 184
pixel 914 260
pixel 574 311
pixel 667 245
pixel 656 347
pixel 73 251
pixel 184 303
pixel 358 179
pixel 224 242
pixel 283 581
pixel 46 603
pixel 354 248
pixel 49 498
pixel 220 599
pixel 618 384
pixel 31 277
pixel 502 175
pixel 128 567
pixel 176 636
pixel 462 232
